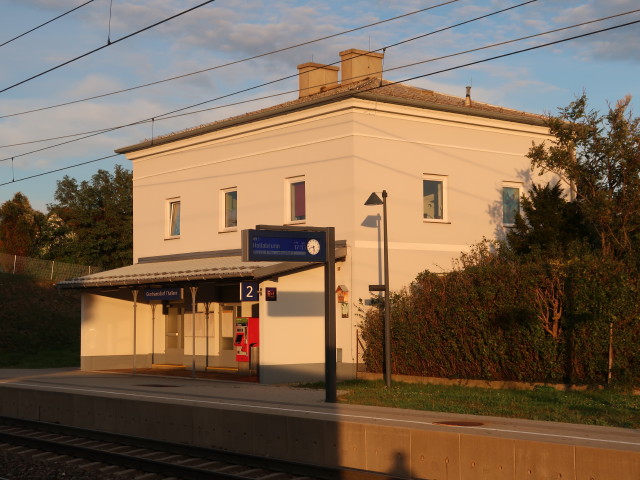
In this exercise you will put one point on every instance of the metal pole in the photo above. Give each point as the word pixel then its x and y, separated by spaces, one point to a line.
pixel 194 290
pixel 387 328
pixel 135 307
pixel 330 317
pixel 206 334
pixel 153 332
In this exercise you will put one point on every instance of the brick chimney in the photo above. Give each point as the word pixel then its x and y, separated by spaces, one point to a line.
pixel 360 64
pixel 315 78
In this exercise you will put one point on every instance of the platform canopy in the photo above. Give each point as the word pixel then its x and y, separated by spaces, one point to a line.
pixel 186 269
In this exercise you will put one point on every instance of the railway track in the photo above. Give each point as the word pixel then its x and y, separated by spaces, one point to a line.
pixel 129 457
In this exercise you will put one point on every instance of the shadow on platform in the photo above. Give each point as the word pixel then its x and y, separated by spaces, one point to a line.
pixel 232 375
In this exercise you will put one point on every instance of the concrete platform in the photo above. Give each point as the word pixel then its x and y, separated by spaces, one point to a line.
pixel 296 424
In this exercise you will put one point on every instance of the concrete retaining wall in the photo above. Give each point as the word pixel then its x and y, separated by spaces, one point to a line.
pixel 400 451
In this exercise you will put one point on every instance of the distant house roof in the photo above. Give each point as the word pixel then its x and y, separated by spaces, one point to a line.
pixel 369 89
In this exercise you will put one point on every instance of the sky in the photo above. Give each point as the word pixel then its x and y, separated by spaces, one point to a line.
pixel 605 65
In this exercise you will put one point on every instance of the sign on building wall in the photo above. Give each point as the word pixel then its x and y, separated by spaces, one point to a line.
pixel 159 294
pixel 271 294
pixel 283 246
pixel 249 291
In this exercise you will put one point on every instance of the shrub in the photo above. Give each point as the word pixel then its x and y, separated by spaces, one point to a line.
pixel 497 317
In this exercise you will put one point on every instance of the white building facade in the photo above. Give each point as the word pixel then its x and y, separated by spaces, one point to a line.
pixel 453 170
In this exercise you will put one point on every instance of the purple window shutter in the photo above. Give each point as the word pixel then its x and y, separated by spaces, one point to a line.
pixel 300 204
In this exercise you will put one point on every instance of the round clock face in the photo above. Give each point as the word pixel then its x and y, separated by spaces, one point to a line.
pixel 313 246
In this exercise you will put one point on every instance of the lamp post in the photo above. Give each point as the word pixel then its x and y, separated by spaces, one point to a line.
pixel 374 199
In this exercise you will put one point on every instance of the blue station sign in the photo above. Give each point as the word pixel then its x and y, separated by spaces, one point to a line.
pixel 158 294
pixel 283 246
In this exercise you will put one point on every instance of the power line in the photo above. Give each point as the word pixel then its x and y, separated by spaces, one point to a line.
pixel 160 117
pixel 481 17
pixel 235 62
pixel 45 23
pixel 59 169
pixel 400 81
pixel 108 44
pixel 516 40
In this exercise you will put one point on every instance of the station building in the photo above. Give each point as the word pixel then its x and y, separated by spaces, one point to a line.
pixel 453 168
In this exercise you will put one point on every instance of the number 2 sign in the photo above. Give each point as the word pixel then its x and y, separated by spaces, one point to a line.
pixel 248 291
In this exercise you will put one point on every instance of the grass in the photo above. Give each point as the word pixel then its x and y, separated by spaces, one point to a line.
pixel 591 407
pixel 40 328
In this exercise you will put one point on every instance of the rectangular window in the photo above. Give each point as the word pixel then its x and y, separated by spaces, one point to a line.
pixel 230 208
pixel 297 200
pixel 174 218
pixel 510 203
pixel 434 193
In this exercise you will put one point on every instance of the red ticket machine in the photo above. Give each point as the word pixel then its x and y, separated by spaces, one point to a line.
pixel 247 335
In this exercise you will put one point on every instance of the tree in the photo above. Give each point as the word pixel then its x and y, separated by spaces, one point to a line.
pixel 548 224
pixel 97 219
pixel 20 226
pixel 599 155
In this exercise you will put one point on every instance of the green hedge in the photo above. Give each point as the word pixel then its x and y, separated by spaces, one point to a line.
pixel 484 321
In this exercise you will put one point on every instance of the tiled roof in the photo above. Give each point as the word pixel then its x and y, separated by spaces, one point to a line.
pixel 370 88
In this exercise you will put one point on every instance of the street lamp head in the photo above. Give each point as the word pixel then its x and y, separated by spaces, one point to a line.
pixel 373 199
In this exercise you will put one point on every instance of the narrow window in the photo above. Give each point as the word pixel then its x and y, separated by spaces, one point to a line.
pixel 298 201
pixel 174 218
pixel 230 208
pixel 510 203
pixel 433 198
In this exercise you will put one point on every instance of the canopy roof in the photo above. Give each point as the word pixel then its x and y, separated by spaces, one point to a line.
pixel 187 270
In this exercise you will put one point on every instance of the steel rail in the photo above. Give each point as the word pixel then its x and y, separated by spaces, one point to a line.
pixel 159 466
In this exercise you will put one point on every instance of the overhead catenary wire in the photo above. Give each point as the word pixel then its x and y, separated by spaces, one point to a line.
pixel 444 57
pixel 433 32
pixel 228 64
pixel 248 89
pixel 137 32
pixel 527 37
pixel 48 172
pixel 496 57
pixel 45 23
pixel 171 116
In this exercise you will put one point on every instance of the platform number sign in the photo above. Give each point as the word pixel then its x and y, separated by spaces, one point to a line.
pixel 248 291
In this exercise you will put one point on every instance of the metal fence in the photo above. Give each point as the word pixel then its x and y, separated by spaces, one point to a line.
pixel 47 270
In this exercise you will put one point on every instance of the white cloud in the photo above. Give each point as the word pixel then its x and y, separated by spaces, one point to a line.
pixel 228 31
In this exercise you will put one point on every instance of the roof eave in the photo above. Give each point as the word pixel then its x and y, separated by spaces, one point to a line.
pixel 529 119
pixel 232 122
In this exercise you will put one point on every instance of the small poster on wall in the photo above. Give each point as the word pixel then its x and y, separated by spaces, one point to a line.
pixel 270 294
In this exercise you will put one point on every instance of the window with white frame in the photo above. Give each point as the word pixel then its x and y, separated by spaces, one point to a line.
pixel 297 211
pixel 173 218
pixel 511 192
pixel 434 198
pixel 229 213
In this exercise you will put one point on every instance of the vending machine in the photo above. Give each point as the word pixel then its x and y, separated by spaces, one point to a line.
pixel 247 335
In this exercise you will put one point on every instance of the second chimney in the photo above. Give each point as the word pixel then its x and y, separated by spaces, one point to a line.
pixel 315 78
pixel 360 64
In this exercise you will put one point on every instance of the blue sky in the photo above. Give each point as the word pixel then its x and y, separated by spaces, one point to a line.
pixel 606 65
